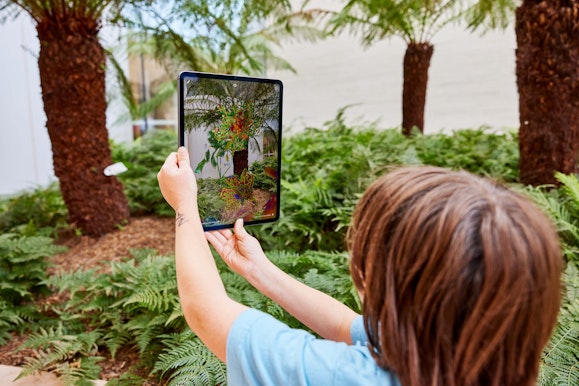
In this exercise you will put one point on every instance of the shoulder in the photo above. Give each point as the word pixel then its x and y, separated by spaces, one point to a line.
pixel 263 351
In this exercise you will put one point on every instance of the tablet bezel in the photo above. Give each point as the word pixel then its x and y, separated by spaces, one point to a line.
pixel 183 76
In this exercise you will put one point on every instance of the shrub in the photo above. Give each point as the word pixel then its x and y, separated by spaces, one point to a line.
pixel 479 151
pixel 210 204
pixel 324 172
pixel 262 174
pixel 40 210
pixel 144 158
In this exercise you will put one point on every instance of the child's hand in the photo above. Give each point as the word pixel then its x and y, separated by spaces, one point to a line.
pixel 241 251
pixel 177 180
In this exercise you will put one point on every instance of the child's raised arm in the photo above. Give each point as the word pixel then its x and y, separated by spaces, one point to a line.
pixel 208 310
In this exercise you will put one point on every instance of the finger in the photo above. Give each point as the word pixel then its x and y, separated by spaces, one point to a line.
pixel 183 157
pixel 170 163
pixel 225 233
pixel 210 236
pixel 218 244
pixel 219 236
pixel 171 160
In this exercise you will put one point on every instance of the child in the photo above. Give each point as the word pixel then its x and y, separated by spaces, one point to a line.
pixel 459 280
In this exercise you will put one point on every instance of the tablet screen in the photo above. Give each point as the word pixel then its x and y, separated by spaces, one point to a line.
pixel 231 126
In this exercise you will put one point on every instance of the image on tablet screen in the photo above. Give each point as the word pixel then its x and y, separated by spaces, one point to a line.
pixel 232 128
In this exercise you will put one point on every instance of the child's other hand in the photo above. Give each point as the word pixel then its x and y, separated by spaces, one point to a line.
pixel 241 251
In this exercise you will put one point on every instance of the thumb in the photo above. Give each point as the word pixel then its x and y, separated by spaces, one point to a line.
pixel 240 231
pixel 183 157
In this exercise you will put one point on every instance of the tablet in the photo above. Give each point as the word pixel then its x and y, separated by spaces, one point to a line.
pixel 231 126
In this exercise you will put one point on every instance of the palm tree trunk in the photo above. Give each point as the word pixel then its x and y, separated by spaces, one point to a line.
pixel 240 161
pixel 416 64
pixel 72 76
pixel 548 84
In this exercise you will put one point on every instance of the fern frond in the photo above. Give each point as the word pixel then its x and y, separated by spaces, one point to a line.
pixel 70 356
pixel 187 361
pixel 560 360
pixel 571 187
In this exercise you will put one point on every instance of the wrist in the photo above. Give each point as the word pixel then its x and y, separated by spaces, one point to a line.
pixel 187 208
pixel 263 276
pixel 186 213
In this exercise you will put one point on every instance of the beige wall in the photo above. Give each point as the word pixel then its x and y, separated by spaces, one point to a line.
pixel 471 80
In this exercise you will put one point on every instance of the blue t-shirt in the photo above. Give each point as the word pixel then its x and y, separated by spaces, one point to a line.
pixel 263 351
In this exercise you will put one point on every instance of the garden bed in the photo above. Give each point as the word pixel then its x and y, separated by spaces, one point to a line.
pixel 85 253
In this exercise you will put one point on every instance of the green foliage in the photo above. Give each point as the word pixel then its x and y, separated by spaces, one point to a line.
pixel 265 174
pixel 324 172
pixel 127 379
pixel 562 206
pixel 135 305
pixel 144 158
pixel 41 210
pixel 22 269
pixel 560 360
pixel 326 271
pixel 71 357
pixel 23 265
pixel 210 204
pixel 413 21
pixel 131 306
pixel 187 361
pixel 479 151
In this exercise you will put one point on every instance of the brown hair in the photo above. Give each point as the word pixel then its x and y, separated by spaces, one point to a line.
pixel 460 277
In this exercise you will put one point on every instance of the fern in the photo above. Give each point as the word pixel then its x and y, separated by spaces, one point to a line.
pixel 131 306
pixel 71 357
pixel 560 361
pixel 562 206
pixel 22 271
pixel 187 361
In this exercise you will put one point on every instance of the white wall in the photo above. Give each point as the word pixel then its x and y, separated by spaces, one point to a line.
pixel 25 150
pixel 25 155
pixel 471 80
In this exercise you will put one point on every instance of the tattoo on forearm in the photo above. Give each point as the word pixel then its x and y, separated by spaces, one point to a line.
pixel 181 219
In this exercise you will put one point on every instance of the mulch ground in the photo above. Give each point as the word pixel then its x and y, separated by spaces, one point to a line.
pixel 85 253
